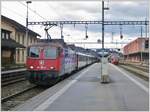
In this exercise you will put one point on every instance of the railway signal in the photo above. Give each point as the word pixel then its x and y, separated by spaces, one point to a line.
pixel 98 41
pixel 121 36
pixel 86 27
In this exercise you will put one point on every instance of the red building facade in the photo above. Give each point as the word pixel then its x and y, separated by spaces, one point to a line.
pixel 137 50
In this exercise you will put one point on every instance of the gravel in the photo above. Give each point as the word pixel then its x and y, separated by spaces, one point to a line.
pixel 14 88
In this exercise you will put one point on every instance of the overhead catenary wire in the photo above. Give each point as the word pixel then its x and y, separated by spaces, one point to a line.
pixel 34 11
pixel 15 12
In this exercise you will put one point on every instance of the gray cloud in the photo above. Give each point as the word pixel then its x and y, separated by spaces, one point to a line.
pixel 89 7
pixel 131 11
pixel 76 10
pixel 118 11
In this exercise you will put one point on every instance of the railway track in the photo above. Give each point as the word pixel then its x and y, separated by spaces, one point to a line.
pixel 18 93
pixel 139 71
pixel 143 68
pixel 136 65
pixel 11 101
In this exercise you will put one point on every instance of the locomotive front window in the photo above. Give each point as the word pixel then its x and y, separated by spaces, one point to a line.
pixel 50 53
pixel 33 52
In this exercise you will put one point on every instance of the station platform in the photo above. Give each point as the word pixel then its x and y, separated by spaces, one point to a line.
pixel 13 71
pixel 84 92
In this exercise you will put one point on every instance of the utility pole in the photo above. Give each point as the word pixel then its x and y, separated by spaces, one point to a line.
pixel 112 38
pixel 141 31
pixel 104 61
pixel 145 29
pixel 116 44
pixel 103 8
pixel 61 28
pixel 27 24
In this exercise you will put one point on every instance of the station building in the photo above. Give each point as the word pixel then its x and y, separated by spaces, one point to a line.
pixel 137 50
pixel 13 41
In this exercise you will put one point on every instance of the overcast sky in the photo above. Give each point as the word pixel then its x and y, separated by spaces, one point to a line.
pixel 75 10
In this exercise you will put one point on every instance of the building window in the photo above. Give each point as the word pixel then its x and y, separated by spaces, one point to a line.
pixel 19 38
pixel 146 44
pixel 5 34
pixel 23 39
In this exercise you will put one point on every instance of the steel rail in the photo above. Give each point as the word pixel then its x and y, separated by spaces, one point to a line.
pixel 16 94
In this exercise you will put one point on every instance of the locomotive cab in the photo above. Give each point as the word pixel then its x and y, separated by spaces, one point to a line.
pixel 43 63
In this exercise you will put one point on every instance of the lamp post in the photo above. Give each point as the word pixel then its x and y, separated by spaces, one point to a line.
pixel 27 24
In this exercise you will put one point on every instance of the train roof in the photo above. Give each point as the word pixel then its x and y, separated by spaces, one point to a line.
pixel 61 43
pixel 51 42
pixel 83 54
pixel 42 44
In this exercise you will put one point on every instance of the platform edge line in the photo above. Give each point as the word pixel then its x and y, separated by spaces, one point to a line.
pixel 49 101
pixel 132 79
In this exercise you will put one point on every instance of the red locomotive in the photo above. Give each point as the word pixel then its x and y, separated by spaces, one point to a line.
pixel 114 59
pixel 47 62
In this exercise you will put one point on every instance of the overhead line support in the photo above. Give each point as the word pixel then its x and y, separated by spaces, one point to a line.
pixel 90 22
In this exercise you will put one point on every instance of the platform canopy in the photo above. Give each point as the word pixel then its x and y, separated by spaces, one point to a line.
pixel 9 43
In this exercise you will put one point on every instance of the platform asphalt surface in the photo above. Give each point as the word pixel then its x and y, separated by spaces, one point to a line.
pixel 84 92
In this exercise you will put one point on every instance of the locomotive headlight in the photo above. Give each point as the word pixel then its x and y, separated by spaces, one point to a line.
pixel 31 67
pixel 51 68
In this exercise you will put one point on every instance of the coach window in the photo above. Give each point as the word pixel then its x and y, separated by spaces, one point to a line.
pixel 34 52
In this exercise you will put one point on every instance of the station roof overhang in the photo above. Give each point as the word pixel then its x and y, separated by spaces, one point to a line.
pixel 138 52
pixel 19 27
pixel 9 43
